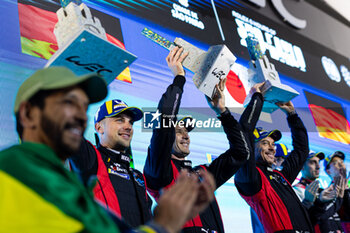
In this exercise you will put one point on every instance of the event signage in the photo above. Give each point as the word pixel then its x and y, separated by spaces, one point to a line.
pixel 228 22
pixel 283 12
pixel 279 49
pixel 184 14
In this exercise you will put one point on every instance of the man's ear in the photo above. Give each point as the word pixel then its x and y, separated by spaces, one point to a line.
pixel 99 127
pixel 28 115
pixel 328 171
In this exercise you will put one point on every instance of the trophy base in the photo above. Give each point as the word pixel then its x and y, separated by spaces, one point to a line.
pixel 274 93
pixel 86 53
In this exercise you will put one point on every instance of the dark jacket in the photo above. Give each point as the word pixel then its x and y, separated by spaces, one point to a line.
pixel 161 171
pixel 119 187
pixel 269 191
pixel 344 211
pixel 325 214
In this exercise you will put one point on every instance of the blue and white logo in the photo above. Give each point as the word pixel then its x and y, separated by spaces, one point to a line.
pixel 346 74
pixel 151 120
pixel 184 3
pixel 331 69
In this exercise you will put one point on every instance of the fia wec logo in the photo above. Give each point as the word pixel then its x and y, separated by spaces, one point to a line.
pixel 92 67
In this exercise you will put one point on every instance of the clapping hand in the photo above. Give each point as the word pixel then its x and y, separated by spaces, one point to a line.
pixel 328 194
pixel 311 191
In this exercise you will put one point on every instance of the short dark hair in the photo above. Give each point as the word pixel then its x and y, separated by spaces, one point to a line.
pixel 37 100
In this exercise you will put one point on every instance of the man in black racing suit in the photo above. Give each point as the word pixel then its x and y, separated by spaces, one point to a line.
pixel 120 188
pixel 267 191
pixel 170 146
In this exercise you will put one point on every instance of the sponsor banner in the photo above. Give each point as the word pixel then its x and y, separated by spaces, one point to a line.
pixel 229 22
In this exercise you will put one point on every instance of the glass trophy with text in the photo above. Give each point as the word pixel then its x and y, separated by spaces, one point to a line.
pixel 262 70
pixel 83 44
pixel 209 67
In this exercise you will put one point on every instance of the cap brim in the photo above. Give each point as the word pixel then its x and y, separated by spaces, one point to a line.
pixel 57 78
pixel 189 128
pixel 276 135
pixel 320 155
pixel 137 113
pixel 339 156
pixel 94 86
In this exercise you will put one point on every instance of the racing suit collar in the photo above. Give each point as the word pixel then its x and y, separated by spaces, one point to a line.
pixel 183 163
pixel 116 156
pixel 305 181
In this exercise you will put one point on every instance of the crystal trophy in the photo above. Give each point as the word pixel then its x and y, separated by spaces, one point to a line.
pixel 264 71
pixel 209 67
pixel 83 44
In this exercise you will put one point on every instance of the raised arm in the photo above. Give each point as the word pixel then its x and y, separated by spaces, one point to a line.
pixel 295 161
pixel 247 179
pixel 158 170
pixel 252 112
pixel 227 164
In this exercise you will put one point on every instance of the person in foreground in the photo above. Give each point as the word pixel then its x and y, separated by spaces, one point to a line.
pixel 268 191
pixel 38 194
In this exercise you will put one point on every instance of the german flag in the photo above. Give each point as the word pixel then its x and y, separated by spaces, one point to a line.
pixel 37 20
pixel 329 118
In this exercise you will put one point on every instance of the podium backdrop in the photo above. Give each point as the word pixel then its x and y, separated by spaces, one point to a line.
pixel 316 66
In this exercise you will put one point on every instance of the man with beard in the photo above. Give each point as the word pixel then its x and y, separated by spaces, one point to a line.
pixel 38 194
pixel 169 146
pixel 266 190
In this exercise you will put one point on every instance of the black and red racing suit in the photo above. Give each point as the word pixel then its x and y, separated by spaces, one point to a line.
pixel 120 188
pixel 267 191
pixel 161 170
pixel 328 216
